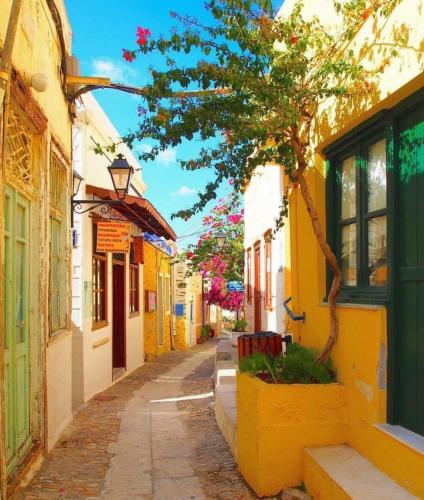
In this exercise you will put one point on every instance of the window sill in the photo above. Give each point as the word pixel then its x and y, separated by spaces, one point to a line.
pixel 99 325
pixel 404 436
pixel 355 305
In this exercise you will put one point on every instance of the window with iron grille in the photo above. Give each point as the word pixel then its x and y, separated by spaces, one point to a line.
pixel 58 249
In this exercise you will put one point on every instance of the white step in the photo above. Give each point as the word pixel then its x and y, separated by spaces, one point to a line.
pixel 351 476
pixel 226 414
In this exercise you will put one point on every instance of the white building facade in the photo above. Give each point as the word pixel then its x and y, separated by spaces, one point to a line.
pixel 107 289
pixel 264 251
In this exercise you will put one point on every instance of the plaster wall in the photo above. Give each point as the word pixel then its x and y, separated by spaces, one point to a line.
pixel 360 354
pixel 92 348
pixel 59 388
pixel 262 199
pixel 155 262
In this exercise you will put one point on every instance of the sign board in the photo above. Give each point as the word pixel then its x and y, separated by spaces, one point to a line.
pixel 149 301
pixel 235 286
pixel 113 237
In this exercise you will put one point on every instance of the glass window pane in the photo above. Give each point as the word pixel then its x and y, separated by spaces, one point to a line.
pixel 377 251
pixel 348 188
pixel 376 176
pixel 348 257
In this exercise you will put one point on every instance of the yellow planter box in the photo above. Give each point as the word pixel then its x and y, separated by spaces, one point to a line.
pixel 275 422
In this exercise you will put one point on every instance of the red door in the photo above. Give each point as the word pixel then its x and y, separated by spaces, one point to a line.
pixel 118 325
pixel 257 289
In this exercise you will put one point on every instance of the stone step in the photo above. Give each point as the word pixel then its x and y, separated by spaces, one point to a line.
pixel 226 414
pixel 224 371
pixel 340 472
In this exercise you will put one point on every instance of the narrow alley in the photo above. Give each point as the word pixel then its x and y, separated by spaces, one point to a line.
pixel 151 435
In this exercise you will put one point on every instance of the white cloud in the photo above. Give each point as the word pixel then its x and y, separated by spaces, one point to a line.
pixel 143 148
pixel 167 157
pixel 185 191
pixel 117 71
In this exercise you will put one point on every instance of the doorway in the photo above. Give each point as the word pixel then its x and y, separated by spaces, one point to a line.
pixel 118 322
pixel 257 289
pixel 16 321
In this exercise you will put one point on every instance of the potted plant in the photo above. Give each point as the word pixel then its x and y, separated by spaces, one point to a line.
pixel 204 334
pixel 239 328
pixel 285 404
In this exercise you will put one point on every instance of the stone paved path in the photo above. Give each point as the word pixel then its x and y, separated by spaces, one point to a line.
pixel 151 436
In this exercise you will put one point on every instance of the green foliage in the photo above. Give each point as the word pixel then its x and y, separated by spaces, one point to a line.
pixel 239 325
pixel 299 366
pixel 205 331
pixel 255 87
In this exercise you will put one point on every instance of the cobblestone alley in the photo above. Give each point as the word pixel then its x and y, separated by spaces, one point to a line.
pixel 151 435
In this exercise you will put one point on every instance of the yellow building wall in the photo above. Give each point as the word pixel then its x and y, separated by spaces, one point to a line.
pixel 155 262
pixel 360 354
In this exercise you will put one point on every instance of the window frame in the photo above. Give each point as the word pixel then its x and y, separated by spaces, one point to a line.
pixel 249 275
pixel 133 293
pixel 357 143
pixel 103 258
pixel 268 271
pixel 57 217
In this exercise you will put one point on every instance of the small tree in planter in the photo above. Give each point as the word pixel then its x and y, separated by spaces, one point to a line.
pixel 255 90
pixel 239 328
pixel 284 405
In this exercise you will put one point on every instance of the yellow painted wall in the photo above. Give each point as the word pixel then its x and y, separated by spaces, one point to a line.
pixel 360 354
pixel 275 422
pixel 181 343
pixel 155 262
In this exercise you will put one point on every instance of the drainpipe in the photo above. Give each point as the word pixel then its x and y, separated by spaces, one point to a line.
pixel 6 53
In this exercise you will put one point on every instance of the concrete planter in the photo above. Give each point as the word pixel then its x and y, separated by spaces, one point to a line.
pixel 275 422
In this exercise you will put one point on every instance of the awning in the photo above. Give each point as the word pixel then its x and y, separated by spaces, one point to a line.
pixel 138 210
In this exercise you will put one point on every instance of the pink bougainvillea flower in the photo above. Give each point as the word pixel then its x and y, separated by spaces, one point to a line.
pixel 231 182
pixel 128 55
pixel 142 34
pixel 234 218
pixel 189 255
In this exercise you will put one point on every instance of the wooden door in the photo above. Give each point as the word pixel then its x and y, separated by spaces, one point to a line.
pixel 409 304
pixel 16 321
pixel 257 305
pixel 118 310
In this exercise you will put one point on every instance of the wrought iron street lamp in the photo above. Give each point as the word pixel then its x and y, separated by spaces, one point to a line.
pixel 120 172
pixel 76 182
pixel 220 239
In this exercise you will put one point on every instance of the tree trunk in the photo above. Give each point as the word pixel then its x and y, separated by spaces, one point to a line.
pixel 332 261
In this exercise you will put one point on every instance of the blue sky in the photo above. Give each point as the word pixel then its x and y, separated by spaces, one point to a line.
pixel 101 29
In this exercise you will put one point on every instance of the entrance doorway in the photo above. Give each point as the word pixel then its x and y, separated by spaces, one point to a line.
pixel 408 331
pixel 16 322
pixel 118 322
pixel 257 289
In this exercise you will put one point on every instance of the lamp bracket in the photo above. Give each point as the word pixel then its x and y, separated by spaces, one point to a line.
pixel 105 206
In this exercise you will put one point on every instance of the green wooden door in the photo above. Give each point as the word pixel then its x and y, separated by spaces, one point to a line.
pixel 16 347
pixel 409 331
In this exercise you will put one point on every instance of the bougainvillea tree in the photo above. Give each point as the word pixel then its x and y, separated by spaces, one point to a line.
pixel 220 266
pixel 255 89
